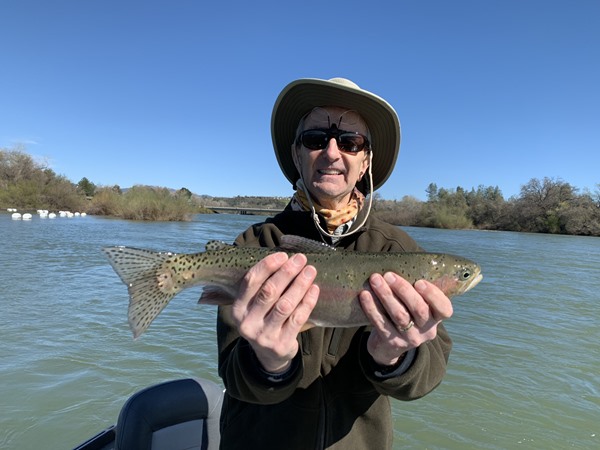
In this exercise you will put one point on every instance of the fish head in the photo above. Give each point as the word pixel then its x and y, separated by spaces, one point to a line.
pixel 468 277
pixel 456 275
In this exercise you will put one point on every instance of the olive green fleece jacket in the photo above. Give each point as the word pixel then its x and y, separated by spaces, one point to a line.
pixel 331 397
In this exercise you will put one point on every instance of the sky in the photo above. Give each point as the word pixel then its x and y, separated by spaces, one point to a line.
pixel 179 93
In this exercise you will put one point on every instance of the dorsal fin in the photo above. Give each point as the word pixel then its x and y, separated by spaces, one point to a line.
pixel 214 246
pixel 298 244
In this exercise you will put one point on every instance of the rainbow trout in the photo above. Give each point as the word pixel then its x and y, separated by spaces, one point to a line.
pixel 154 278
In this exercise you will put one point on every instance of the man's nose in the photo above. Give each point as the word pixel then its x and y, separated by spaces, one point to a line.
pixel 332 150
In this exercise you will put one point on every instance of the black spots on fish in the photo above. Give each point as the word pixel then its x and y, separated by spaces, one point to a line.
pixel 214 262
pixel 218 262
pixel 145 318
pixel 172 264
pixel 408 266
pixel 222 262
pixel 404 269
pixel 180 263
pixel 145 304
pixel 230 257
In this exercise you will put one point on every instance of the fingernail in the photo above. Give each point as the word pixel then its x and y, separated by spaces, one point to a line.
pixel 389 277
pixel 281 257
pixel 420 286
pixel 298 260
pixel 309 272
pixel 376 280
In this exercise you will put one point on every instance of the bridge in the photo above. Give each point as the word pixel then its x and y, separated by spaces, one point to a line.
pixel 244 211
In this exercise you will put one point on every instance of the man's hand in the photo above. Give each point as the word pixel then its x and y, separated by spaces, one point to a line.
pixel 275 300
pixel 403 316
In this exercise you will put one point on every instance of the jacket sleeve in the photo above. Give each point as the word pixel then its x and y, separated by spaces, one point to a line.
pixel 241 372
pixel 423 375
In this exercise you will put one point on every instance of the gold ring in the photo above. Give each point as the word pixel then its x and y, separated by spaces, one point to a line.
pixel 407 327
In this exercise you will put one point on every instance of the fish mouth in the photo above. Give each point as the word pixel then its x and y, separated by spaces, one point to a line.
pixel 474 282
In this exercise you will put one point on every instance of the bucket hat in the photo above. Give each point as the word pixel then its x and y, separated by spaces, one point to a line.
pixel 301 96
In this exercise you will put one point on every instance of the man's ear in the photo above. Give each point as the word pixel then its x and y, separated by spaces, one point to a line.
pixel 364 165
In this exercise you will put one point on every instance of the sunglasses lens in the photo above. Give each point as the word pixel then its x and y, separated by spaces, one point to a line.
pixel 349 142
pixel 314 139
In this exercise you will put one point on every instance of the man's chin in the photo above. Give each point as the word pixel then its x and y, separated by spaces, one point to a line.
pixel 325 192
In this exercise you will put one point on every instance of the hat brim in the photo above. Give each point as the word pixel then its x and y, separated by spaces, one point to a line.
pixel 301 96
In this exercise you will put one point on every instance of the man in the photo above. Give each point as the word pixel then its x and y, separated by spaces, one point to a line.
pixel 287 388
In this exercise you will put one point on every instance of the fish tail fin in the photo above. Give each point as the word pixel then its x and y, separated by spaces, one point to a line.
pixel 144 273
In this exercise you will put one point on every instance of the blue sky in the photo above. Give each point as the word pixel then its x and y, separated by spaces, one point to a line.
pixel 179 93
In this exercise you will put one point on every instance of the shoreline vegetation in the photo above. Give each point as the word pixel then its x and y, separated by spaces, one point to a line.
pixel 543 206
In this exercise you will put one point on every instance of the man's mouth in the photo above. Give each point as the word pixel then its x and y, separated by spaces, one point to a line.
pixel 329 172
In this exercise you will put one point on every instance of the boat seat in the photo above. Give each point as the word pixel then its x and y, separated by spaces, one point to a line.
pixel 175 415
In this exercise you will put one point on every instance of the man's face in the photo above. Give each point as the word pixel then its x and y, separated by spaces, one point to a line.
pixel 331 174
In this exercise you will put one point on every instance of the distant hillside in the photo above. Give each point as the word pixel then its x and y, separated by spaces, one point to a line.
pixel 242 201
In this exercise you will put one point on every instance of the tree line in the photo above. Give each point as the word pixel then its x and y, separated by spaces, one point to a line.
pixel 546 205
pixel 27 184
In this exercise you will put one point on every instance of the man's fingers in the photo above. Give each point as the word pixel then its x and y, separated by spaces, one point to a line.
pixel 393 293
pixel 439 304
pixel 297 321
pixel 374 311
pixel 423 302
pixel 290 300
pixel 277 283
pixel 258 274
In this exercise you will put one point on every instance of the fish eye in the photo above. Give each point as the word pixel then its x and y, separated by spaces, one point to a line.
pixel 465 274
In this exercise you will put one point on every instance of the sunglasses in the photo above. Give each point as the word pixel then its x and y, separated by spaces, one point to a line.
pixel 347 141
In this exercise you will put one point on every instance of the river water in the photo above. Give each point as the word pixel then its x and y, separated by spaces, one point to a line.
pixel 524 372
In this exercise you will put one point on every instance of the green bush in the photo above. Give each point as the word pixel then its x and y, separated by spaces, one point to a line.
pixel 143 203
pixel 442 216
pixel 106 202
